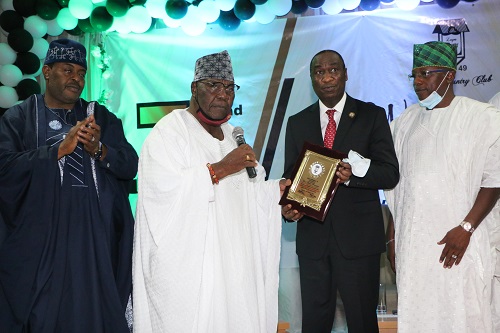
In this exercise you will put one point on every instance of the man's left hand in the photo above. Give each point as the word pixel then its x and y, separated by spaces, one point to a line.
pixel 456 241
pixel 344 172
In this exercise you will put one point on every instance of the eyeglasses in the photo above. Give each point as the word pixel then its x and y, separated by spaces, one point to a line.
pixel 425 74
pixel 217 87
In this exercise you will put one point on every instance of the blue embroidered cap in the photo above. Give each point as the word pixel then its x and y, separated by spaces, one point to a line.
pixel 66 50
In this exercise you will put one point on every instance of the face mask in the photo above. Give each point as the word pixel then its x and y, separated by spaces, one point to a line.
pixel 434 99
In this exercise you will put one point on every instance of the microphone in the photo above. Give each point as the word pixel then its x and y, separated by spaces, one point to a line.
pixel 240 140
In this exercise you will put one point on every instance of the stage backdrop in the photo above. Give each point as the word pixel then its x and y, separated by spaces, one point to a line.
pixel 152 72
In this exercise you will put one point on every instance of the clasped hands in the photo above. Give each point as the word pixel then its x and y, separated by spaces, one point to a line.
pixel 86 132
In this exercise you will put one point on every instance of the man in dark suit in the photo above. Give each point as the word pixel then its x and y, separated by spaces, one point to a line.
pixel 343 252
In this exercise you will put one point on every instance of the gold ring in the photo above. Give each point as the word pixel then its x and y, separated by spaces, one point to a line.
pixel 248 158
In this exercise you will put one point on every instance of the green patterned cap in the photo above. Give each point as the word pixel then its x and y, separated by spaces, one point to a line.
pixel 435 54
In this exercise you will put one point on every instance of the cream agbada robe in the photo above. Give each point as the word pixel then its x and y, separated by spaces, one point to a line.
pixel 445 156
pixel 206 256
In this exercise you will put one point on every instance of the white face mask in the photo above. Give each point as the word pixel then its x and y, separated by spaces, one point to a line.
pixel 434 99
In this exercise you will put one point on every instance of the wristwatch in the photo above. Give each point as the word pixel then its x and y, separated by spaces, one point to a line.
pixel 467 226
pixel 98 153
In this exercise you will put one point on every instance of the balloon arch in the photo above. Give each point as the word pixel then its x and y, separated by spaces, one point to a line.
pixel 28 23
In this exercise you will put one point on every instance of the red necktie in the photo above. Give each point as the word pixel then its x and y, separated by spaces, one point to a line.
pixel 331 129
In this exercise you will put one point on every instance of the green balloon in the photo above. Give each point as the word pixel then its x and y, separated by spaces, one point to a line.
pixel 47 9
pixel 100 19
pixel 63 3
pixel 85 25
pixel 176 9
pixel 117 8
pixel 137 2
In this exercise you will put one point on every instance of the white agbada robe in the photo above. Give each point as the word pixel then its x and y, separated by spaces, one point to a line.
pixel 445 156
pixel 206 257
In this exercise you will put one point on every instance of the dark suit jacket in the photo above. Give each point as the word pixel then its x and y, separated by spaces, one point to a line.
pixel 355 212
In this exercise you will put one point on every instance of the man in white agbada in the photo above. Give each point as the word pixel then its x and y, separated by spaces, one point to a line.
pixel 207 238
pixel 445 207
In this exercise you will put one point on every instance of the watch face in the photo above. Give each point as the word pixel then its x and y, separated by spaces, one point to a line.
pixel 467 226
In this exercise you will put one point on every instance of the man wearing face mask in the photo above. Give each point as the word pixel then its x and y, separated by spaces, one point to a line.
pixel 445 207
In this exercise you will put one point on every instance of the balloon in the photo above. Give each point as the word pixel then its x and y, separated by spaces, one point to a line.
pixel 314 3
pixel 8 97
pixel 121 25
pixel 369 5
pixel 53 28
pixel 10 75
pixel 66 20
pixel 27 87
pixel 25 7
pixel 7 4
pixel 279 7
pixel 209 12
pixel 332 7
pixel 76 31
pixel 40 47
pixel 176 9
pixel 299 6
pixel 228 21
pixel 407 4
pixel 10 20
pixel 7 54
pixel 156 8
pixel 80 9
pixel 258 2
pixel 137 2
pixel 244 9
pixel 117 8
pixel 35 26
pixel 263 15
pixel 28 62
pixel 47 9
pixel 192 24
pixel 63 3
pixel 85 25
pixel 171 23
pixel 138 18
pixel 447 3
pixel 100 19
pixel 20 40
pixel 350 4
pixel 225 5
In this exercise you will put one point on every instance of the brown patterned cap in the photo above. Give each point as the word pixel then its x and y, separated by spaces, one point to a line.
pixel 214 66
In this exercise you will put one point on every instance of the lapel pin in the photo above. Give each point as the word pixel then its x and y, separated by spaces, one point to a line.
pixel 352 115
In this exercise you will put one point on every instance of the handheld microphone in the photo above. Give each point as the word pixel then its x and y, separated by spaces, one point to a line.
pixel 240 140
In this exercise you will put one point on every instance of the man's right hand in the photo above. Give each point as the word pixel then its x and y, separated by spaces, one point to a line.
pixel 69 143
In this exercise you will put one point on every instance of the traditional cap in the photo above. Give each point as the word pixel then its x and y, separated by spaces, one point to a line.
pixel 66 50
pixel 435 54
pixel 214 66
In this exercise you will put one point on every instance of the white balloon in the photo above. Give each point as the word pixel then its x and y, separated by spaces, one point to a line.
pixel 156 8
pixel 7 54
pixel 10 75
pixel 98 1
pixel 350 4
pixel 40 47
pixel 171 23
pixel 121 25
pixel 192 24
pixel 263 15
pixel 209 11
pixel 53 28
pixel 225 5
pixel 8 97
pixel 138 18
pixel 66 20
pixel 407 4
pixel 81 9
pixel 332 7
pixel 7 4
pixel 279 7
pixel 36 26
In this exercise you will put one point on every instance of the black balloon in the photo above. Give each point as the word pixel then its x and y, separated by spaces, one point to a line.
pixel 298 6
pixel 28 62
pixel 63 3
pixel 25 7
pixel 85 25
pixel 10 20
pixel 117 8
pixel 244 9
pixel 47 9
pixel 20 40
pixel 76 31
pixel 137 2
pixel 176 9
pixel 228 21
pixel 314 3
pixel 447 3
pixel 100 19
pixel 258 2
pixel 26 88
